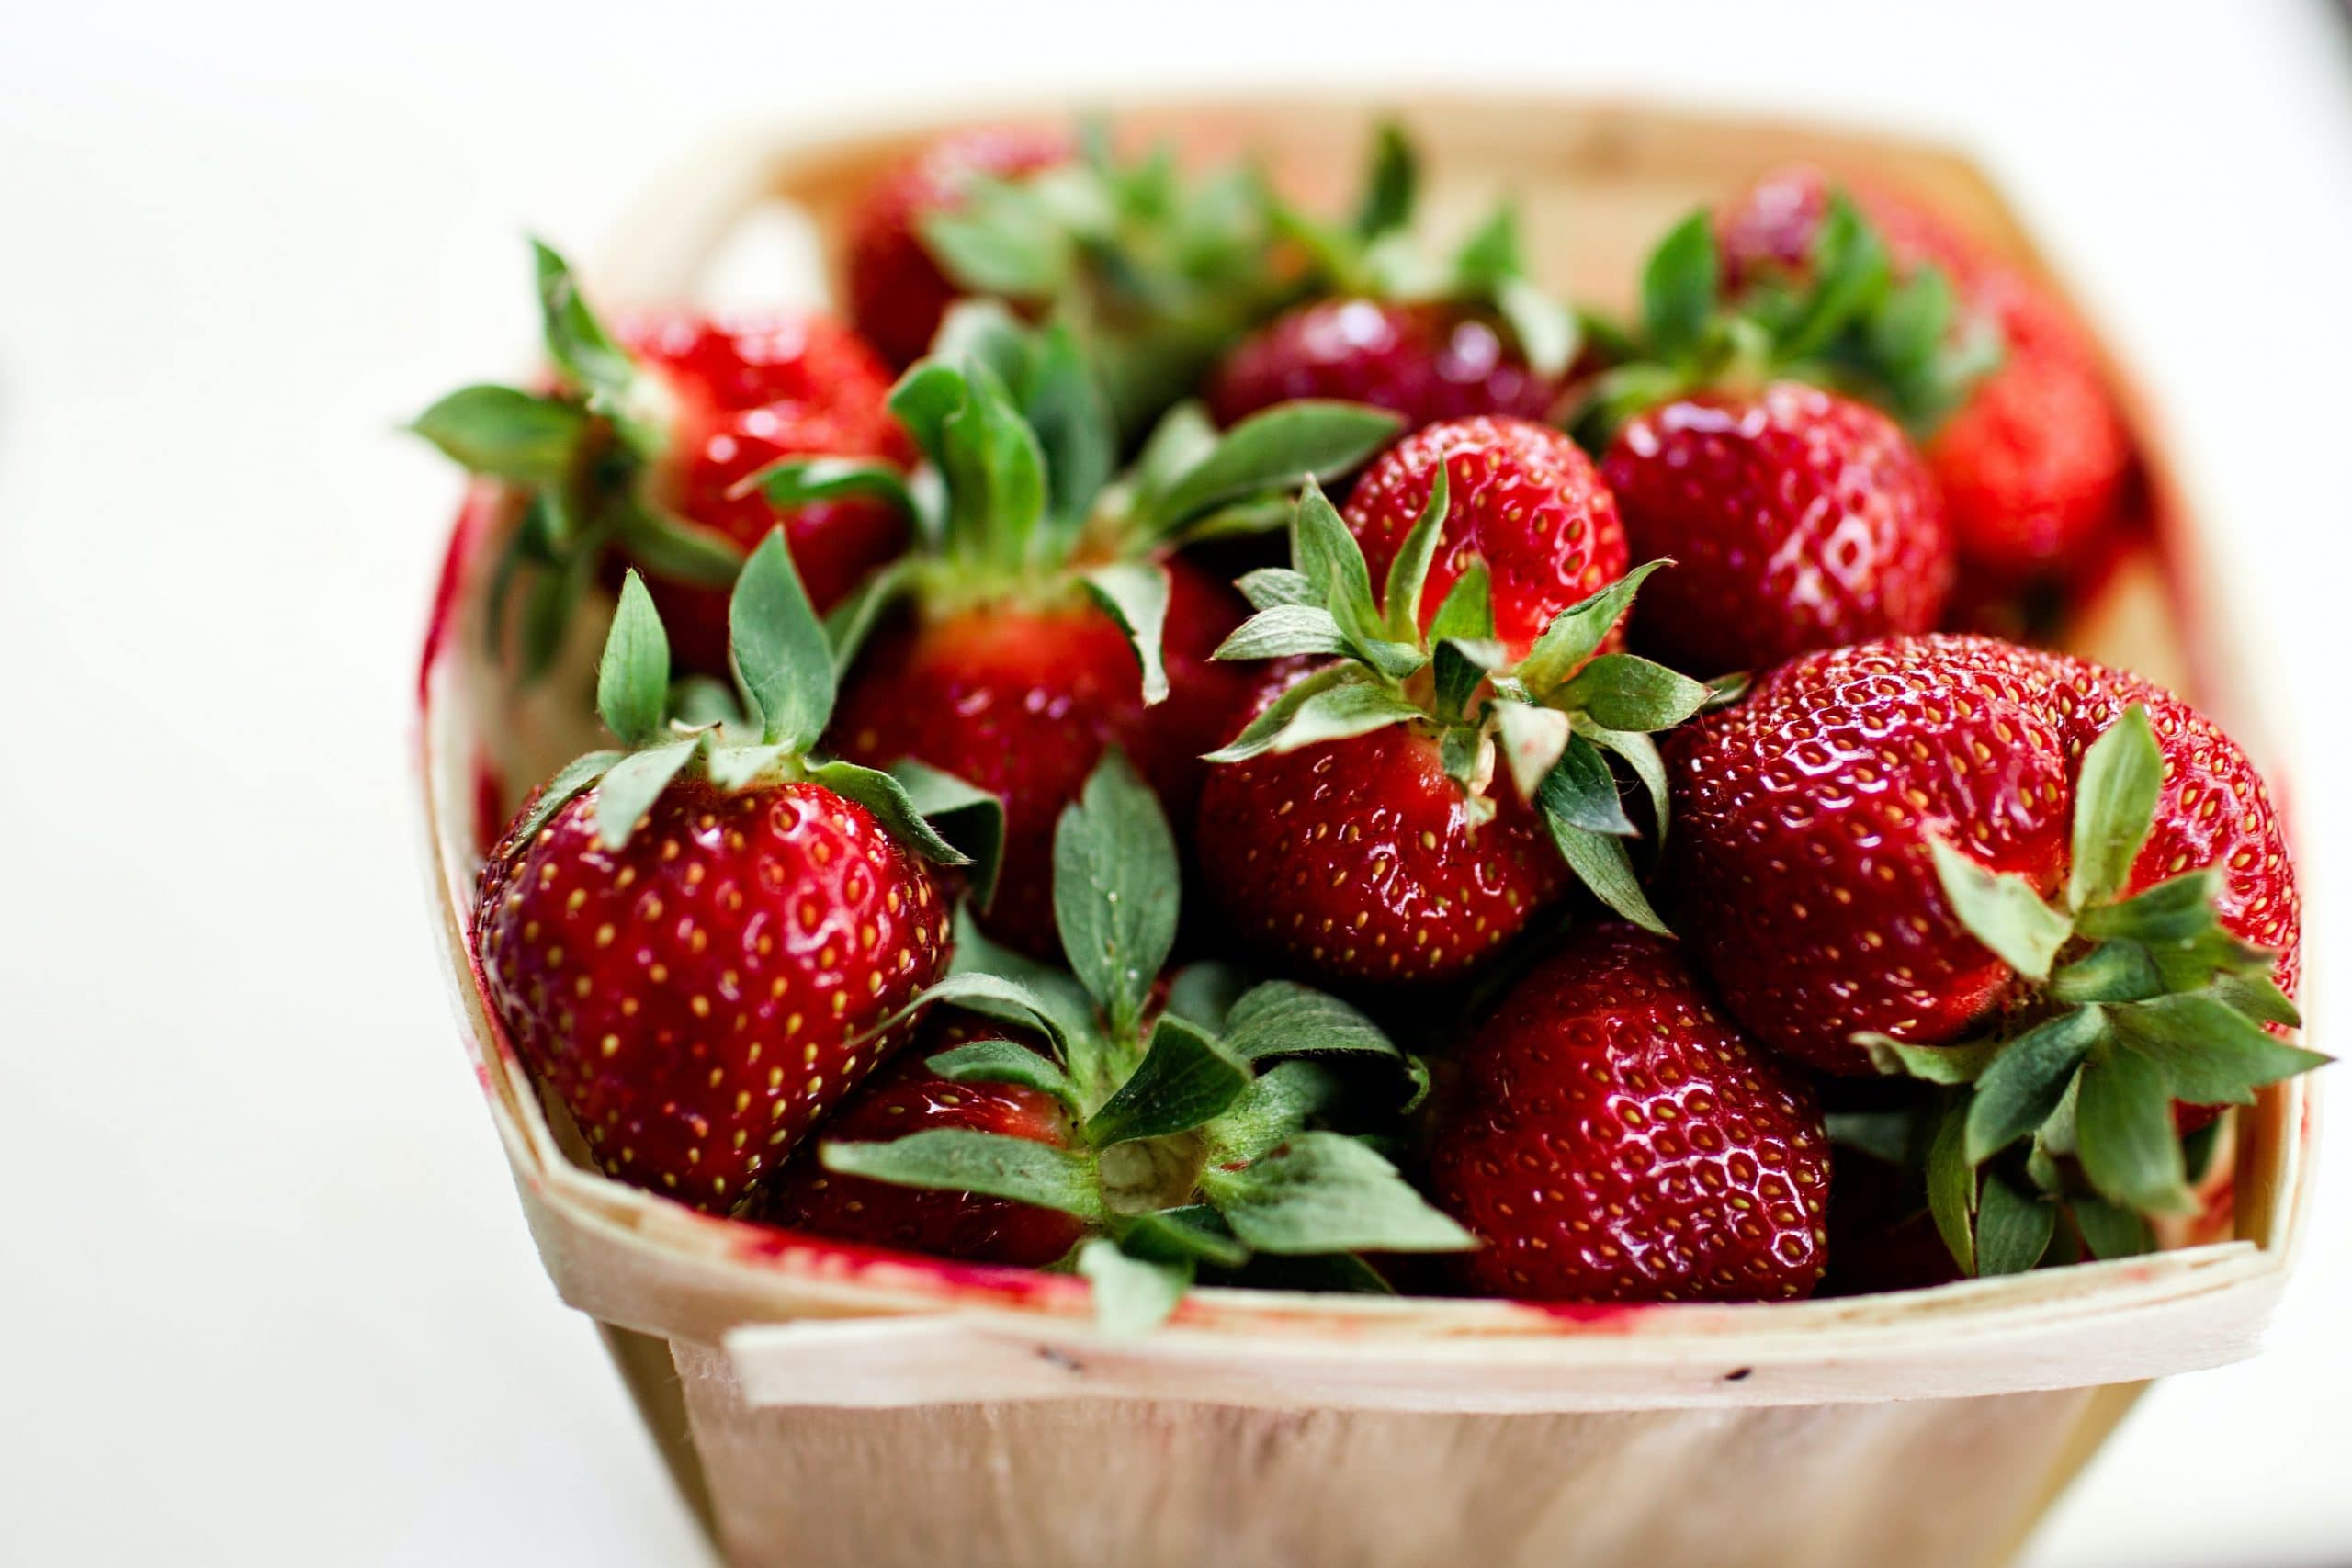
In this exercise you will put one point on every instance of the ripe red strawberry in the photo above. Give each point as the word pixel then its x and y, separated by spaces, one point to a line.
pixel 1164 1128
pixel 702 945
pixel 1426 361
pixel 1477 338
pixel 1400 814
pixel 1813 799
pixel 1359 858
pixel 897 292
pixel 1796 519
pixel 641 454
pixel 1023 702
pixel 2036 462
pixel 1613 1137
pixel 909 1097
pixel 1523 501
pixel 748 392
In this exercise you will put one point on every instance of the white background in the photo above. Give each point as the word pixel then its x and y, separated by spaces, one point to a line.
pixel 264 1296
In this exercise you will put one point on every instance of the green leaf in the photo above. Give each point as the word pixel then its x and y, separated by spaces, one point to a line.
pixel 2174 910
pixel 1600 862
pixel 2210 1054
pixel 1194 1233
pixel 1132 1295
pixel 2123 1132
pixel 1012 988
pixel 2002 910
pixel 1277 449
pixel 995 474
pixel 888 799
pixel 2109 1231
pixel 732 767
pixel 2111 972
pixel 1849 270
pixel 1324 1192
pixel 1400 599
pixel 1280 1017
pixel 1884 1135
pixel 1007 1062
pixel 1951 1185
pixel 1535 743
pixel 569 780
pixel 1580 791
pixel 549 607
pixel 800 481
pixel 1641 754
pixel 2013 1228
pixel 782 655
pixel 670 546
pixel 1186 1078
pixel 698 702
pixel 1467 612
pixel 2115 805
pixel 633 676
pixel 1275 1109
pixel 1000 238
pixel 1679 288
pixel 631 785
pixel 852 620
pixel 1115 881
pixel 925 398
pixel 1276 587
pixel 1386 203
pixel 1329 557
pixel 1134 594
pixel 2256 996
pixel 506 433
pixel 968 818
pixel 1075 427
pixel 961 1159
pixel 1281 632
pixel 2025 1082
pixel 1962 1062
pixel 1577 632
pixel 1625 691
pixel 586 354
pixel 1184 436
pixel 1325 710
pixel 1548 330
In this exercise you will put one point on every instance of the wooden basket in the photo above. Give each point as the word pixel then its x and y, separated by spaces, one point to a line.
pixel 826 1405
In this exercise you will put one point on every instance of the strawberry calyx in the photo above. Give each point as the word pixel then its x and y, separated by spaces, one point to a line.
pixel 1845 322
pixel 1554 718
pixel 2126 1005
pixel 1153 271
pixel 1375 254
pixel 584 456
pixel 1019 500
pixel 761 732
pixel 1201 1136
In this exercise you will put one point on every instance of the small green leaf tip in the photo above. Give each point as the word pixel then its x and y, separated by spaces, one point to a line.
pixel 781 653
pixel 633 677
pixel 1115 885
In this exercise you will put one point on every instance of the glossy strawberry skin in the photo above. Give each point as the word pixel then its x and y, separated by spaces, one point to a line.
pixel 1359 859
pixel 1426 362
pixel 1022 701
pixel 897 293
pixel 1799 863
pixel 2035 465
pixel 904 1098
pixel 1520 496
pixel 1795 518
pixel 697 999
pixel 747 392
pixel 1612 1136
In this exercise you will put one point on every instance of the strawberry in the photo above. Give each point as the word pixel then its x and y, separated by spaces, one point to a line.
pixel 1797 517
pixel 644 448
pixel 1045 616
pixel 2035 463
pixel 1613 1137
pixel 1178 1129
pixel 897 293
pixel 1153 271
pixel 1985 866
pixel 1477 338
pixel 1358 826
pixel 909 1097
pixel 1023 703
pixel 1523 502
pixel 702 944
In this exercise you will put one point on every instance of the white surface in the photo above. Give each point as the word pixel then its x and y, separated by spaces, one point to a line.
pixel 267 1297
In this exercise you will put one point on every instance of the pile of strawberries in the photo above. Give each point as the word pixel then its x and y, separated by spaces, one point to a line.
pixel 1273 756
